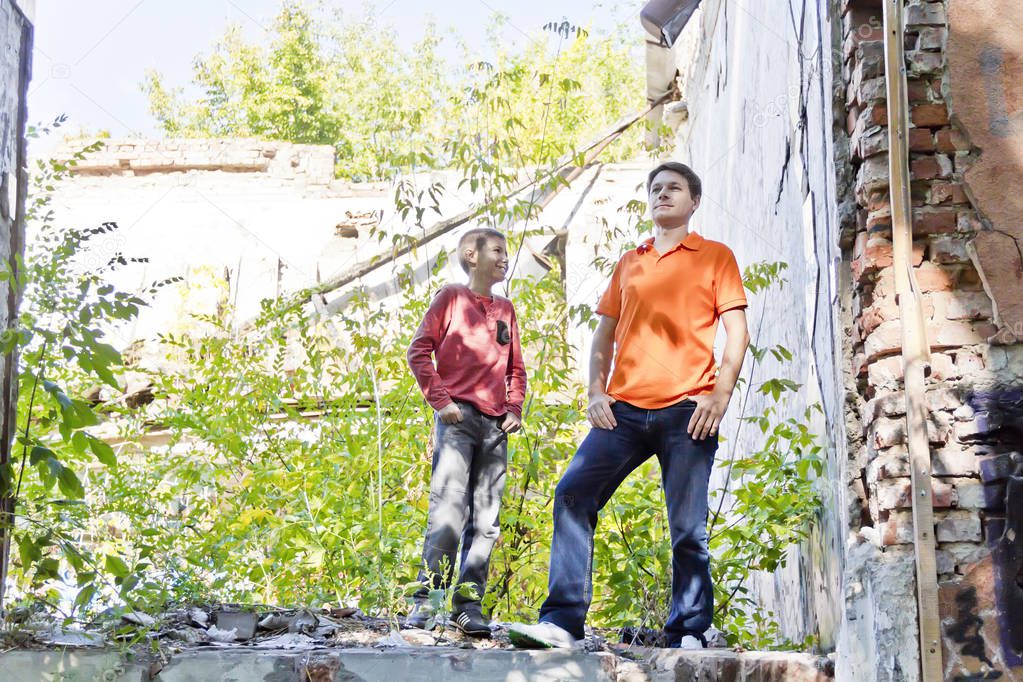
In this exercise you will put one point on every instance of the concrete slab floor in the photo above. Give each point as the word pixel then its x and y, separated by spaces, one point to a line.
pixel 426 664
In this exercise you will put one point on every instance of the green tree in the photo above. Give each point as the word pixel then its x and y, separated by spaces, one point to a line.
pixel 348 82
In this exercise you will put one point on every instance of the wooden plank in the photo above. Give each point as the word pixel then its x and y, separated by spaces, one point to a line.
pixel 915 349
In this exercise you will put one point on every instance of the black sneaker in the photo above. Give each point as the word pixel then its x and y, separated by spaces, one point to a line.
pixel 471 624
pixel 418 617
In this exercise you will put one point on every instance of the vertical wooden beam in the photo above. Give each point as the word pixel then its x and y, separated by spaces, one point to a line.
pixel 915 349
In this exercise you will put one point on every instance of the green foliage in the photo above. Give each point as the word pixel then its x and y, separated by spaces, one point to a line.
pixel 66 309
pixel 328 78
pixel 292 463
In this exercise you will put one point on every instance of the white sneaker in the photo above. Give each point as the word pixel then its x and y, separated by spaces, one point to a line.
pixel 541 636
pixel 689 642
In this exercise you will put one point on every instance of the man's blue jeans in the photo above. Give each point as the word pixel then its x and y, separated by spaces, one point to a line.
pixel 600 465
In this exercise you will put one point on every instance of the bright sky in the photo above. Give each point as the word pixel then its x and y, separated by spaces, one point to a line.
pixel 90 57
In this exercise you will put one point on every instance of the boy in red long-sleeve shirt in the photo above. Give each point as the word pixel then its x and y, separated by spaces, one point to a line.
pixel 477 388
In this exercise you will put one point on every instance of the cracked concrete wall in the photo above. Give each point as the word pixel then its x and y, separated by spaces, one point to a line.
pixel 15 72
pixel 757 83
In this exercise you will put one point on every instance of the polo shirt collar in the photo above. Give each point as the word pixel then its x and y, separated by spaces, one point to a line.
pixel 693 242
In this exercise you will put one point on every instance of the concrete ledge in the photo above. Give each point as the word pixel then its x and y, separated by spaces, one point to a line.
pixel 418 664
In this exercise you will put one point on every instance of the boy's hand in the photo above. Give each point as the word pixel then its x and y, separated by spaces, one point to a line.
pixel 511 423
pixel 599 411
pixel 450 414
pixel 707 416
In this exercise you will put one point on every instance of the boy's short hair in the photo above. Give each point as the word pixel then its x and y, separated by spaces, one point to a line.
pixel 692 179
pixel 478 236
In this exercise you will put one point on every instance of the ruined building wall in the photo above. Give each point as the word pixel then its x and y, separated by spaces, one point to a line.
pixel 15 70
pixel 756 81
pixel 963 67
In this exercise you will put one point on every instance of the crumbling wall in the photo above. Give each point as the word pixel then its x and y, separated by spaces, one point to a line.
pixel 962 59
pixel 756 81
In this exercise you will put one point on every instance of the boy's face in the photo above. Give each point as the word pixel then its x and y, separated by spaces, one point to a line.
pixel 670 202
pixel 489 262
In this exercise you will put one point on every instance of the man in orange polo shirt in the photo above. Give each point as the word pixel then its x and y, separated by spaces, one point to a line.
pixel 665 397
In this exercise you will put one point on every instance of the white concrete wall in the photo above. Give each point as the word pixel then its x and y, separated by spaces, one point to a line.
pixel 759 135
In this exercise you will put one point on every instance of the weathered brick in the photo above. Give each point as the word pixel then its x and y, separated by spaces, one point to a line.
pixel 942 398
pixel 934 220
pixel 929 115
pixel 870 59
pixel 885 433
pixel 949 250
pixel 952 333
pixel 931 277
pixel 885 373
pixel 872 90
pixel 998 467
pixel 961 305
pixel 950 141
pixel 923 62
pixel 931 38
pixel 925 14
pixel 871 142
pixel 926 168
pixel 946 192
pixel 918 91
pixel 963 413
pixel 953 459
pixel 969 363
pixel 873 174
pixel 969 493
pixel 898 493
pixel 884 340
pixel 921 140
pixel 942 365
pixel 897 529
pixel 958 525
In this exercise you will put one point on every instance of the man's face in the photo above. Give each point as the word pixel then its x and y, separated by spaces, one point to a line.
pixel 670 202
pixel 491 260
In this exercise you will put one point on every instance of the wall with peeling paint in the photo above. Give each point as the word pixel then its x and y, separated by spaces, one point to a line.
pixel 757 82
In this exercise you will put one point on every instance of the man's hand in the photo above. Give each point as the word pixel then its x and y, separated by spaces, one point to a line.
pixel 511 423
pixel 707 416
pixel 599 411
pixel 450 414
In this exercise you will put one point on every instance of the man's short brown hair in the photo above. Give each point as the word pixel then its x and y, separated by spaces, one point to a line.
pixel 478 237
pixel 692 179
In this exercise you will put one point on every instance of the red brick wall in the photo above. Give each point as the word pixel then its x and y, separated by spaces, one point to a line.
pixel 961 324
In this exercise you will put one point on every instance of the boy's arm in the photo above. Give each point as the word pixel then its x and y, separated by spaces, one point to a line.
pixel 420 352
pixel 515 380
pixel 711 408
pixel 601 351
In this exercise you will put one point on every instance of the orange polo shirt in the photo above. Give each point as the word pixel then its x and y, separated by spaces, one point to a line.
pixel 667 307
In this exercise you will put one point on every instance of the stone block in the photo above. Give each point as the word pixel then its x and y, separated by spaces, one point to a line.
pixel 960 525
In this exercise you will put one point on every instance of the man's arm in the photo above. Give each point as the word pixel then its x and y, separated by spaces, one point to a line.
pixel 711 408
pixel 599 409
